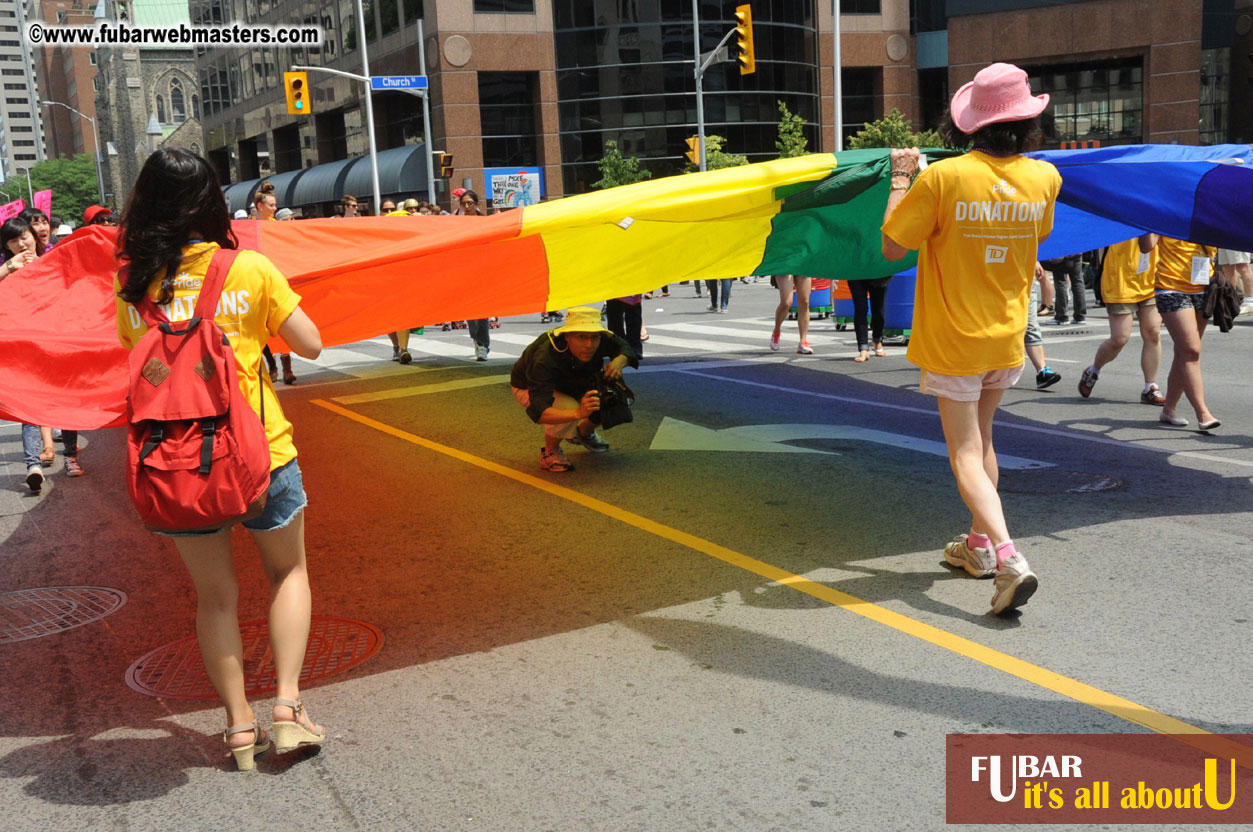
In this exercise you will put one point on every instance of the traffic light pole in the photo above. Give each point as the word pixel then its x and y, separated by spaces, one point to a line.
pixel 703 60
pixel 426 119
pixel 369 106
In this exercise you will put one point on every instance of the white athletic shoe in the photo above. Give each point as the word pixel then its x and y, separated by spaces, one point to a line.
pixel 1015 584
pixel 979 563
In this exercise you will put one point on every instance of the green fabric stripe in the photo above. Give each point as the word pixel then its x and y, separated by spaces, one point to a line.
pixel 830 228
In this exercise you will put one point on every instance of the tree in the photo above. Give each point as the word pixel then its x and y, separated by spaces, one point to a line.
pixel 72 181
pixel 716 158
pixel 616 170
pixel 791 141
pixel 894 131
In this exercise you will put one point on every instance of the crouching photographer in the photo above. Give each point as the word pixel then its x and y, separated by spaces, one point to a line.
pixel 559 379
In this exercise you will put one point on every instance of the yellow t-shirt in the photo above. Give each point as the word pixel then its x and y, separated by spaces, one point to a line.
pixel 1128 275
pixel 256 300
pixel 976 221
pixel 1180 264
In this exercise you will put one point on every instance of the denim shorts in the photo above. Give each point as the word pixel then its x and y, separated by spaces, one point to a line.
pixel 284 499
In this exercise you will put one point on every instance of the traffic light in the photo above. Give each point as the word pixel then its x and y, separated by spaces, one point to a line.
pixel 444 160
pixel 744 39
pixel 693 149
pixel 296 85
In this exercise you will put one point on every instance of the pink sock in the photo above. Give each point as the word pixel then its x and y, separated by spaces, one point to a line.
pixel 974 540
pixel 1005 551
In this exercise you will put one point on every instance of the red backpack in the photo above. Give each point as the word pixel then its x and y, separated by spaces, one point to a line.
pixel 197 455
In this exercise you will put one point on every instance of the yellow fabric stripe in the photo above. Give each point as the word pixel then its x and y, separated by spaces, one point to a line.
pixel 712 224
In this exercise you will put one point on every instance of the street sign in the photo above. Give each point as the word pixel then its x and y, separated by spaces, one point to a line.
pixel 398 82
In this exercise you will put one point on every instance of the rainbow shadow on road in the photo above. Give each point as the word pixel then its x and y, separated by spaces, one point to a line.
pixel 1042 677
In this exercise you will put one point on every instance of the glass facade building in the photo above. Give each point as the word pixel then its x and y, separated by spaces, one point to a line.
pixel 625 74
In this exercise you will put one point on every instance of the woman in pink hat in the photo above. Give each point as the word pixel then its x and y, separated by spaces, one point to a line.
pixel 976 221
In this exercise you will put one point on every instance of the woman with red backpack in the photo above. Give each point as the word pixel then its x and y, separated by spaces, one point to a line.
pixel 174 241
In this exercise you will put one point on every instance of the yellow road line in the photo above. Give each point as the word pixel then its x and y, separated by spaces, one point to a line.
pixel 422 389
pixel 1036 675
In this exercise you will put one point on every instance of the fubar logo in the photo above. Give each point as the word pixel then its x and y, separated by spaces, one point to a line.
pixel 1099 778
pixel 995 254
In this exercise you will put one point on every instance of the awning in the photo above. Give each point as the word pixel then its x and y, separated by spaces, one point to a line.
pixel 283 184
pixel 321 184
pixel 402 173
pixel 240 194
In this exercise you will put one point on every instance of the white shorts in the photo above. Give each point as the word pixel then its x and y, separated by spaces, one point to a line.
pixel 1228 257
pixel 562 430
pixel 969 388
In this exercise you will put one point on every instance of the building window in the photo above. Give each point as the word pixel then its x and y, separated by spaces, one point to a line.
pixel 91 56
pixel 860 7
pixel 860 93
pixel 509 6
pixel 1094 101
pixel 507 118
pixel 195 107
pixel 177 106
pixel 24 157
pixel 161 109
pixel 1215 83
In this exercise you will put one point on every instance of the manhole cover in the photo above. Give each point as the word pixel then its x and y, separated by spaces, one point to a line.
pixel 1052 481
pixel 31 613
pixel 175 671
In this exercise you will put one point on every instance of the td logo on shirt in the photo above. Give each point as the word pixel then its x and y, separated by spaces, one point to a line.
pixel 995 254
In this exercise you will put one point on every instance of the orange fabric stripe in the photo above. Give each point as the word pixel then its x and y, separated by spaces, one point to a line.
pixel 399 272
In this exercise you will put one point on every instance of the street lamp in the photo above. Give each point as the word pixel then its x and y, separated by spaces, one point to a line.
pixel 95 137
pixel 30 192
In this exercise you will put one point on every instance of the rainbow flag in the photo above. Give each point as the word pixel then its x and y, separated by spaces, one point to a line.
pixel 816 215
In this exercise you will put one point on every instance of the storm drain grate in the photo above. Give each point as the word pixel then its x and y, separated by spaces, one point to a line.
pixel 1052 481
pixel 32 613
pixel 175 671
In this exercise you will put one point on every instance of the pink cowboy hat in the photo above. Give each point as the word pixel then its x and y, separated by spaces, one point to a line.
pixel 1000 92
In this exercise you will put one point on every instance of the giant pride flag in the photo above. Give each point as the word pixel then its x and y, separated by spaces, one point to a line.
pixel 818 215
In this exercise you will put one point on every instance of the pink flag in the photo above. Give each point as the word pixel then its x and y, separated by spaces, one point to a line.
pixel 43 201
pixel 8 212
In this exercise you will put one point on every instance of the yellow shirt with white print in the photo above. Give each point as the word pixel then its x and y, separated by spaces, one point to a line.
pixel 256 301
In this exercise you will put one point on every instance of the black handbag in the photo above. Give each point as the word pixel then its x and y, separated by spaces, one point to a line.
pixel 615 404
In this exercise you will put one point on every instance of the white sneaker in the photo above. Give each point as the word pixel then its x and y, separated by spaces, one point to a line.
pixel 480 352
pixel 35 478
pixel 979 563
pixel 774 340
pixel 1015 584
pixel 804 349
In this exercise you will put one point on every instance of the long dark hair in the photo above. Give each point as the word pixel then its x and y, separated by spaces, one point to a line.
pixel 1002 138
pixel 177 193
pixel 14 228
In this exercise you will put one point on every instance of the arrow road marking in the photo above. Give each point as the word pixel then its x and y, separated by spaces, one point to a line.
pixel 677 435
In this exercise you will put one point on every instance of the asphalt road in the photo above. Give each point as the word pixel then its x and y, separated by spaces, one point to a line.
pixel 736 619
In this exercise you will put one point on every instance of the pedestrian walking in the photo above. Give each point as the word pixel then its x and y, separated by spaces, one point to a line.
pixel 786 284
pixel 175 221
pixel 981 216
pixel 1127 286
pixel 1181 279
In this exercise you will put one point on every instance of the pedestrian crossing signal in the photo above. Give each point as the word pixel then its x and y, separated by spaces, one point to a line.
pixel 444 160
pixel 693 149
pixel 297 86
pixel 744 39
